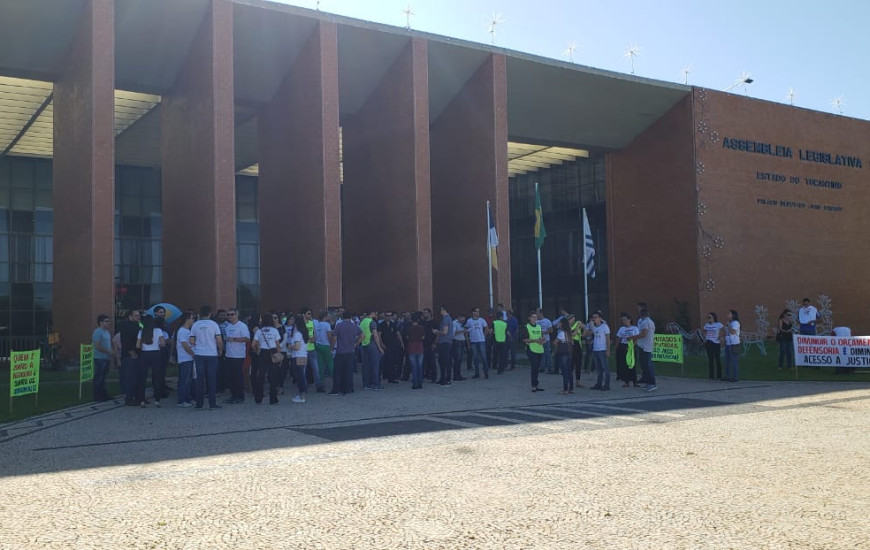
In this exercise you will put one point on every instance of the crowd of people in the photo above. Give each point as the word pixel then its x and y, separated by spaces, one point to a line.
pixel 219 352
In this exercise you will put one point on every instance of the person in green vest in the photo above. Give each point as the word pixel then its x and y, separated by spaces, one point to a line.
pixel 313 363
pixel 500 341
pixel 533 338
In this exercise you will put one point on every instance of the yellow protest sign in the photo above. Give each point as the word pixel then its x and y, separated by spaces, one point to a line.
pixel 86 360
pixel 668 348
pixel 24 373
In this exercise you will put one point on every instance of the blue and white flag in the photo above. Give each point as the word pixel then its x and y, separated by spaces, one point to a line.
pixel 589 260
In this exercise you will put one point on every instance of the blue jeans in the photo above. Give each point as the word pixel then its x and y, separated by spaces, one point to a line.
pixel 547 361
pixel 315 367
pixel 301 378
pixel 732 369
pixel 185 377
pixel 478 349
pixel 599 358
pixel 101 367
pixel 786 351
pixel 646 364
pixel 457 352
pixel 342 381
pixel 206 367
pixel 371 366
pixel 416 360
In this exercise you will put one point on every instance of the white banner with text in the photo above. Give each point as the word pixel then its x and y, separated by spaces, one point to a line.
pixel 832 351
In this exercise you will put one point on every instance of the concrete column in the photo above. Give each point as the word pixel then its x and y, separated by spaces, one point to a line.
pixel 470 167
pixel 84 178
pixel 197 155
pixel 386 196
pixel 300 262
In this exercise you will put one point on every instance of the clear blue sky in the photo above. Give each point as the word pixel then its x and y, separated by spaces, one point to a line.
pixel 812 47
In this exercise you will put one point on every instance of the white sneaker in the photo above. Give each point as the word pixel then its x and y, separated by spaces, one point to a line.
pixel 185 405
pixel 298 399
pixel 651 387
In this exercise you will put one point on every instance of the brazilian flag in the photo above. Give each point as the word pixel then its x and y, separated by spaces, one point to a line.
pixel 540 232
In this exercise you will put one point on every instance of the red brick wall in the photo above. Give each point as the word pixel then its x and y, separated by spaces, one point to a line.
pixel 767 254
pixel 652 219
pixel 198 161
pixel 299 188
pixel 387 252
pixel 469 167
pixel 84 179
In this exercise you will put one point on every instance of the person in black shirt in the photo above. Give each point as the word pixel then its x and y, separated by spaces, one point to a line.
pixel 431 329
pixel 393 348
pixel 129 331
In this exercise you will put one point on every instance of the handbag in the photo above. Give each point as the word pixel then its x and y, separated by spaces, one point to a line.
pixel 277 356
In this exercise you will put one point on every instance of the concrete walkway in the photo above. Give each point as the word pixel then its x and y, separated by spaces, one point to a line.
pixel 479 464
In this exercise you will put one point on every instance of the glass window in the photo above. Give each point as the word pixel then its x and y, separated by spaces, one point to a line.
pixel 21 323
pixel 22 296
pixel 42 296
pixel 43 221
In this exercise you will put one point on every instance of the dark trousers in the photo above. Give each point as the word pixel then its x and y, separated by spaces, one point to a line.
pixel 444 362
pixel 429 370
pixel 158 374
pixel 577 358
pixel 512 352
pixel 535 363
pixel 236 378
pixel 129 371
pixel 206 372
pixel 148 360
pixel 342 381
pixel 258 376
pixel 563 360
pixel 499 356
pixel 714 359
pixel 101 368
pixel 391 362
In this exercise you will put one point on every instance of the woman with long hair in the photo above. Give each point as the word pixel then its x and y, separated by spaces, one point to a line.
pixel 732 346
pixel 785 337
pixel 265 344
pixel 297 344
pixel 149 341
pixel 713 345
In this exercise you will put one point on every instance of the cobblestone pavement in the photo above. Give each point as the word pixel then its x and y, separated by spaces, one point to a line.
pixel 480 464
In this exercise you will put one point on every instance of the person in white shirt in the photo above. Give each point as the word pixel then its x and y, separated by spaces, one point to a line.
pixel 807 317
pixel 732 346
pixel 600 351
pixel 149 341
pixel 713 344
pixel 237 338
pixel 645 341
pixel 477 328
pixel 184 356
pixel 266 343
pixel 297 344
pixel 207 344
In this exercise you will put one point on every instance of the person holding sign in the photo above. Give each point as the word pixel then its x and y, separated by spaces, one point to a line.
pixel 103 353
pixel 807 316
pixel 732 347
pixel 713 345
pixel 625 370
pixel 600 351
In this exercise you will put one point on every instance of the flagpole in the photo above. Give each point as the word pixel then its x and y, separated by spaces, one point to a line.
pixel 585 267
pixel 540 288
pixel 489 252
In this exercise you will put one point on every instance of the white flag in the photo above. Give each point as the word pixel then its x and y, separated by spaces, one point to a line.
pixel 589 260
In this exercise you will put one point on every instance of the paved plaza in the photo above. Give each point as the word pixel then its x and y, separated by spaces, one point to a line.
pixel 479 464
